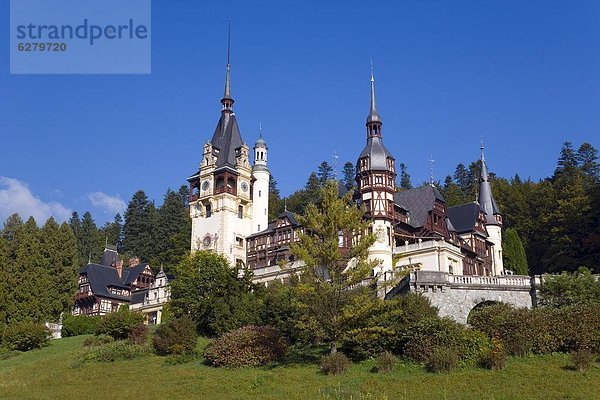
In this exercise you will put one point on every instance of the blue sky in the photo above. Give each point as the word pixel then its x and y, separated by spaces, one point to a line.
pixel 525 75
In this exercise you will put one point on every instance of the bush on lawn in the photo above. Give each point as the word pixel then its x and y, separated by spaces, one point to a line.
pixel 119 324
pixel 495 358
pixel 249 346
pixel 177 336
pixel 75 325
pixel 335 364
pixel 114 351
pixel 385 362
pixel 24 336
pixel 442 359
pixel 430 335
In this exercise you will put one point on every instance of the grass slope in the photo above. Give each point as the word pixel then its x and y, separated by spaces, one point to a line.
pixel 50 373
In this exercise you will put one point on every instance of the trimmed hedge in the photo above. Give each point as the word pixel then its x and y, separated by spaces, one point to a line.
pixel 24 336
pixel 541 330
pixel 249 346
pixel 75 325
pixel 177 336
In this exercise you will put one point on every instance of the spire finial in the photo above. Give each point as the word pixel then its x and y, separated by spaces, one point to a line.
pixel 373 115
pixel 431 161
pixel 260 130
pixel 90 258
pixel 285 203
pixel 227 94
pixel 481 146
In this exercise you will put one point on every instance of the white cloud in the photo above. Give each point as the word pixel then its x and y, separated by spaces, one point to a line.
pixel 110 204
pixel 15 197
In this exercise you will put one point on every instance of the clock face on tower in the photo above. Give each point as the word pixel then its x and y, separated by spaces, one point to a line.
pixel 205 185
pixel 244 186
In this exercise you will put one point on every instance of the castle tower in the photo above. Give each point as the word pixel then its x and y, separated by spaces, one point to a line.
pixel 260 188
pixel 220 192
pixel 493 218
pixel 376 175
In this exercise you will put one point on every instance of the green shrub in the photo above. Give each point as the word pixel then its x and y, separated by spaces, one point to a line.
pixel 177 359
pixel 384 325
pixel 250 346
pixel 75 325
pixel 541 330
pixel 442 359
pixel 114 351
pixel 334 364
pixel 177 336
pixel 138 334
pixel 429 335
pixel 97 340
pixel 495 358
pixel 24 336
pixel 364 343
pixel 582 359
pixel 385 362
pixel 119 324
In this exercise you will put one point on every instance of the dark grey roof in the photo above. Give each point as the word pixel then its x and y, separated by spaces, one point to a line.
pixel 419 202
pixel 486 199
pixel 464 217
pixel 101 277
pixel 271 227
pixel 377 153
pixel 226 140
pixel 138 296
pixel 131 274
pixel 109 256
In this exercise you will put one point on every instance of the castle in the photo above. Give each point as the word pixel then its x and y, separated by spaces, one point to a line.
pixel 415 229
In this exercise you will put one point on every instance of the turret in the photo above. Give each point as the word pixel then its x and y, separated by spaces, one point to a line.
pixel 493 218
pixel 260 191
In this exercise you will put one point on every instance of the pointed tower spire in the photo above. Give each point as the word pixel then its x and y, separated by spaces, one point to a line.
pixel 227 100
pixel 373 119
pixel 486 200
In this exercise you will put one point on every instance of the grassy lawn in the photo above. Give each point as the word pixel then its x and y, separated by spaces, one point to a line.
pixel 50 373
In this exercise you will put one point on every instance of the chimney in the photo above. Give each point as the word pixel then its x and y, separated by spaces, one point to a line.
pixel 133 261
pixel 119 268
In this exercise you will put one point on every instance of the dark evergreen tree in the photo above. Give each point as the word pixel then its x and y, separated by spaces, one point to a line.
pixel 139 227
pixel 462 178
pixel 324 173
pixel 514 253
pixel 184 193
pixel 75 223
pixel 90 243
pixel 567 161
pixel 112 232
pixel 452 193
pixel 587 160
pixel 59 248
pixel 349 176
pixel 312 189
pixel 276 204
pixel 404 177
pixel 173 230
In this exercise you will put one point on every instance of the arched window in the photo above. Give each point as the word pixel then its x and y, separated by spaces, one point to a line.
pixel 208 210
pixel 240 212
pixel 220 183
pixel 230 183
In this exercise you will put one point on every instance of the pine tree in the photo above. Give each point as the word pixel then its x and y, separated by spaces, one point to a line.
pixel 89 240
pixel 404 177
pixel 349 176
pixel 276 205
pixel 59 248
pixel 75 223
pixel 567 161
pixel 327 280
pixel 4 279
pixel 173 230
pixel 112 232
pixel 452 193
pixel 139 227
pixel 324 173
pixel 587 161
pixel 462 178
pixel 312 190
pixel 514 253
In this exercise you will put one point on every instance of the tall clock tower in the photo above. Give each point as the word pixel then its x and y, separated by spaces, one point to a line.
pixel 220 192
pixel 376 175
